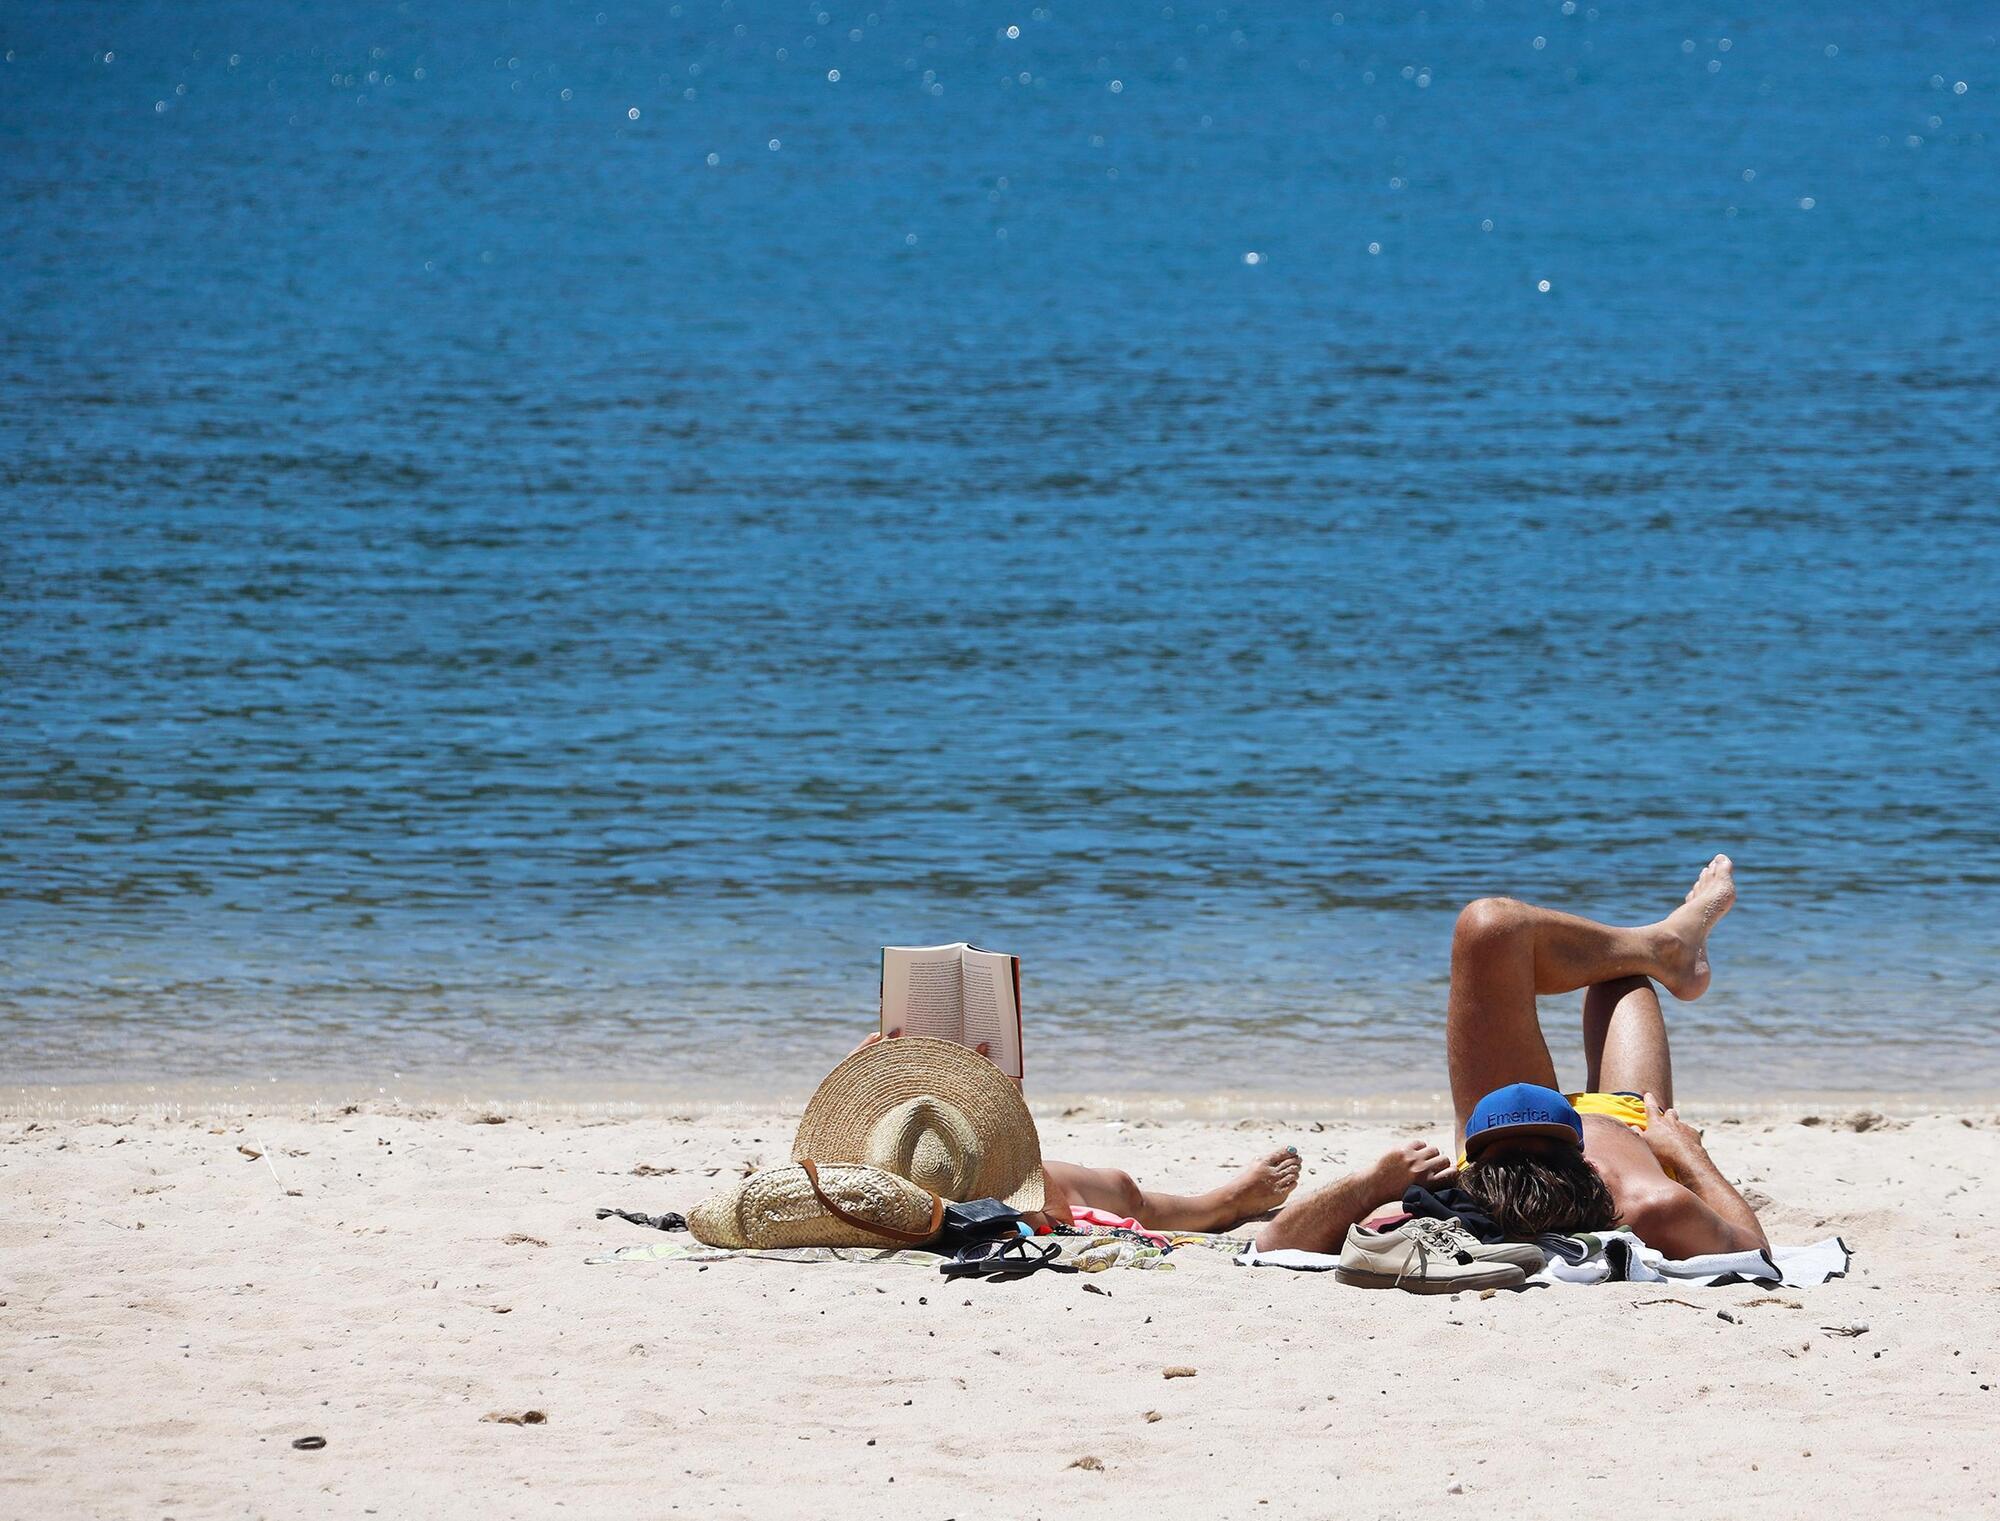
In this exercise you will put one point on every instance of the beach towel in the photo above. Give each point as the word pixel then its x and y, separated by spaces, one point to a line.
pixel 1091 1249
pixel 677 1251
pixel 1621 1257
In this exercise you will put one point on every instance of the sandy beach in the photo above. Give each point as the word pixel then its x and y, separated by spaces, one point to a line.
pixel 390 1278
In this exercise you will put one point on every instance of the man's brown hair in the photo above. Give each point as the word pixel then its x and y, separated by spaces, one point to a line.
pixel 1528 1193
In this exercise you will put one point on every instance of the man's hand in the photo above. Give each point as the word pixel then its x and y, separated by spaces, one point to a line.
pixel 1673 1140
pixel 1410 1163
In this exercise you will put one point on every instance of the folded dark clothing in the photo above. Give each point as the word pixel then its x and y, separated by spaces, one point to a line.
pixel 1453 1204
pixel 1571 1249
pixel 666 1222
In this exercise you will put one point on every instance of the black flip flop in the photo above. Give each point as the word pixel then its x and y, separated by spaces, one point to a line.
pixel 1005 1261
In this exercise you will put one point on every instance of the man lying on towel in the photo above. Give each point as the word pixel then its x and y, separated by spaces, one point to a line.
pixel 1617 1154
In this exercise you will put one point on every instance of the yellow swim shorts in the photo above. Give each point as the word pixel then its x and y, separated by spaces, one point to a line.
pixel 1628 1109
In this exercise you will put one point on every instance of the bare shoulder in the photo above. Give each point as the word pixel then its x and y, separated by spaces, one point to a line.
pixel 1657 1208
pixel 1621 1156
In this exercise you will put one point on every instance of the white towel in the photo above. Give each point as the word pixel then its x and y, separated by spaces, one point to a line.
pixel 1621 1257
pixel 1288 1257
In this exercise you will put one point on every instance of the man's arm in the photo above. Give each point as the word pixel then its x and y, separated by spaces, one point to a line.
pixel 1319 1222
pixel 1701 1214
pixel 1676 1221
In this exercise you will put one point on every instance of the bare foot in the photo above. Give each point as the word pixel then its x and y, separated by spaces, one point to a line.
pixel 1258 1189
pixel 1684 952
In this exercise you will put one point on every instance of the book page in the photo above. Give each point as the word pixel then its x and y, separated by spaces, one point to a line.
pixel 992 1007
pixel 923 991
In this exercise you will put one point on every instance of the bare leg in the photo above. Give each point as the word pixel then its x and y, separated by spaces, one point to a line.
pixel 1319 1221
pixel 1504 953
pixel 1263 1185
pixel 1625 1040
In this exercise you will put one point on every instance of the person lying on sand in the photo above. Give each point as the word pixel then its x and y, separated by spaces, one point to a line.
pixel 1256 1190
pixel 1618 1153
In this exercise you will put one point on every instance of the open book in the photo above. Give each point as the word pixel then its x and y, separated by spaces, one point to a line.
pixel 955 992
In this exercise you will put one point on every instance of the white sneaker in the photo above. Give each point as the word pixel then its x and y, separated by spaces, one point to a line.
pixel 1432 1257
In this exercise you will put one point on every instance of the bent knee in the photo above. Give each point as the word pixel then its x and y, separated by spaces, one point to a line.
pixel 1123 1190
pixel 1485 920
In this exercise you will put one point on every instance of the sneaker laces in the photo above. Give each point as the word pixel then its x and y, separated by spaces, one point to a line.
pixel 1446 1237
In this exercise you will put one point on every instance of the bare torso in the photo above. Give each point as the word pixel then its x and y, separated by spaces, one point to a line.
pixel 1624 1160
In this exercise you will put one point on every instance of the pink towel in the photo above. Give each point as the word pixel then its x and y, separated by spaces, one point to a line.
pixel 1083 1214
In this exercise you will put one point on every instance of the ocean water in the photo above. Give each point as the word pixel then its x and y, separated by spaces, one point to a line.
pixel 534 538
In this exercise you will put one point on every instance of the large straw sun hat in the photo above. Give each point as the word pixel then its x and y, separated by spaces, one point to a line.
pixel 807 1205
pixel 932 1111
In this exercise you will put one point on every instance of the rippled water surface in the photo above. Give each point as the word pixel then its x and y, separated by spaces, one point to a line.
pixel 535 538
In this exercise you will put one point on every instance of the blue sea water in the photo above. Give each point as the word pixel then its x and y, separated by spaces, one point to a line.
pixel 535 537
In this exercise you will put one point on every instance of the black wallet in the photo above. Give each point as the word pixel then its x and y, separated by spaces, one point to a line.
pixel 972 1222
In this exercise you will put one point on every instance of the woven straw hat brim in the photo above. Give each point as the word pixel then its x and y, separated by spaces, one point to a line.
pixel 777 1207
pixel 880 1078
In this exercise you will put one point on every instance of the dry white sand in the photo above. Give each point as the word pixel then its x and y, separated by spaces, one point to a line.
pixel 176 1313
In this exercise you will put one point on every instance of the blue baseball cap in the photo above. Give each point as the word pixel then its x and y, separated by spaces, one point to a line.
pixel 1521 1109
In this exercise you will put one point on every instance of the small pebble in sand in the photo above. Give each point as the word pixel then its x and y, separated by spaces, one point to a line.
pixel 1177 1372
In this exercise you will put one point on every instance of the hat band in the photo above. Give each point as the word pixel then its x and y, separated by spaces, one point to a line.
pixel 911 1238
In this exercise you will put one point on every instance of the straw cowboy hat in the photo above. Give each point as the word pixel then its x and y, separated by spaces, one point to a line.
pixel 931 1111
pixel 809 1205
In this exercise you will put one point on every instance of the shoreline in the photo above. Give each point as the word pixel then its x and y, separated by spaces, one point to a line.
pixel 556 1099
